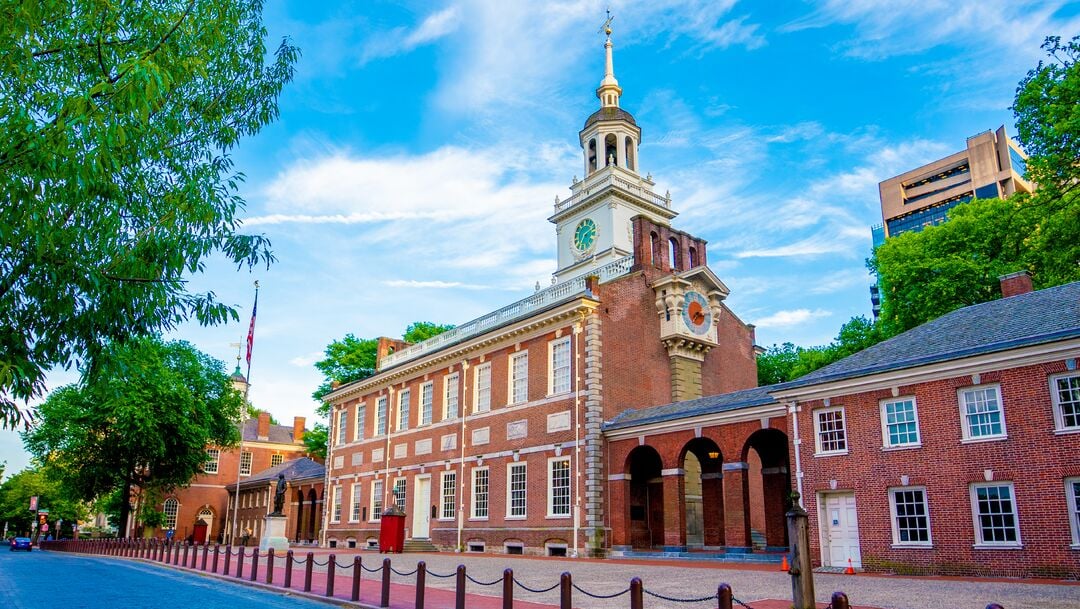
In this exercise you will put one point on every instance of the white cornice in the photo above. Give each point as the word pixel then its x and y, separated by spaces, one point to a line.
pixel 752 413
pixel 1011 358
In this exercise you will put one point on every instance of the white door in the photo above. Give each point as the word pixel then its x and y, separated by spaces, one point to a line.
pixel 840 531
pixel 421 520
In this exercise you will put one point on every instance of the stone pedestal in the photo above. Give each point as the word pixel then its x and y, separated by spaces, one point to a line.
pixel 273 534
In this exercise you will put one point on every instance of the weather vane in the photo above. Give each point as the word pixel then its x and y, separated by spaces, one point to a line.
pixel 606 28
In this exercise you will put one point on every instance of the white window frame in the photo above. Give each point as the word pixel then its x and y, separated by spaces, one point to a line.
pixel 551 488
pixel 896 541
pixel 171 515
pixel 818 431
pixel 965 427
pixel 404 407
pixel 382 417
pixel 427 399
pixel 213 461
pixel 342 426
pixel 556 376
pixel 335 508
pixel 400 493
pixel 447 499
pixel 354 511
pixel 482 388
pixel 276 459
pixel 451 396
pixel 524 490
pixel 474 506
pixel 1055 395
pixel 886 437
pixel 361 415
pixel 1072 496
pixel 979 541
pixel 376 501
pixel 517 389
pixel 245 468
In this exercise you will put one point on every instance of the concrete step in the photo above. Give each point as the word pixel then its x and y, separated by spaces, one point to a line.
pixel 419 545
pixel 757 539
pixel 717 556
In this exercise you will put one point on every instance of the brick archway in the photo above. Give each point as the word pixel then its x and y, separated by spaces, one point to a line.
pixel 645 498
pixel 770 486
pixel 702 493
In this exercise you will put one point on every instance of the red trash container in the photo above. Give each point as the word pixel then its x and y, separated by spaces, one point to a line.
pixel 392 530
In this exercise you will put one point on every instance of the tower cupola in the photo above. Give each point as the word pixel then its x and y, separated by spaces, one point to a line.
pixel 611 134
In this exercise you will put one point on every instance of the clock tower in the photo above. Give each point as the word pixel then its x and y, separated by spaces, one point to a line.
pixel 594 225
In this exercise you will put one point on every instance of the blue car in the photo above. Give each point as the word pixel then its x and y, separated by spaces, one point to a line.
pixel 21 543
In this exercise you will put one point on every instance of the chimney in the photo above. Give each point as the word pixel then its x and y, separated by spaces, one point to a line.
pixel 298 430
pixel 1015 283
pixel 264 426
pixel 386 346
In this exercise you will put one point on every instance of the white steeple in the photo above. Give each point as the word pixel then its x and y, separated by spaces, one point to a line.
pixel 609 90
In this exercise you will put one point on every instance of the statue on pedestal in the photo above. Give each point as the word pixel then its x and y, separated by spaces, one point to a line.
pixel 279 496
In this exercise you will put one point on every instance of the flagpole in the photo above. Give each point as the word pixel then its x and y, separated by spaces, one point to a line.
pixel 243 414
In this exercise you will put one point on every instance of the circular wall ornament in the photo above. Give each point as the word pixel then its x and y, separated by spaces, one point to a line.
pixel 585 235
pixel 696 313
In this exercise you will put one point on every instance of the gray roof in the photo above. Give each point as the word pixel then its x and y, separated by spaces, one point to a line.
pixel 303 468
pixel 745 398
pixel 1034 318
pixel 610 114
pixel 279 434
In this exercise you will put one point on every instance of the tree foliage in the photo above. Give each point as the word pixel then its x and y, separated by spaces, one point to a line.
pixel 39 481
pixel 352 359
pixel 786 362
pixel 117 122
pixel 141 418
pixel 315 441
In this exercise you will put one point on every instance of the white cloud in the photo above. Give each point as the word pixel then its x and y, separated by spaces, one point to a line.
pixel 307 360
pixel 435 285
pixel 783 319
pixel 400 40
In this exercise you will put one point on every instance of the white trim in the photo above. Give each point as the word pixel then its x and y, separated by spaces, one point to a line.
pixel 382 411
pixel 404 409
pixel 965 428
pixel 430 387
pixel 1055 397
pixel 442 496
pixel 1072 502
pixel 509 489
pixel 710 420
pixel 896 543
pixel 979 541
pixel 552 345
pixel 551 489
pixel 818 451
pixel 342 427
pixel 356 493
pixel 375 515
pixel 885 436
pixel 487 494
pixel 403 482
pixel 359 421
pixel 484 368
pixel 511 397
pixel 216 460
pixel 452 380
pixel 335 504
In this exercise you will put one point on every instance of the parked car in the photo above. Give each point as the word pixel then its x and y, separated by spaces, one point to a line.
pixel 21 543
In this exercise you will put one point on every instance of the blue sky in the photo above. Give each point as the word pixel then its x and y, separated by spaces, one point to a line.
pixel 422 144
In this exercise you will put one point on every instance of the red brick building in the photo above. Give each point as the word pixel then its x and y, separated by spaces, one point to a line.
pixel 953 448
pixel 201 510
pixel 302 508
pixel 490 435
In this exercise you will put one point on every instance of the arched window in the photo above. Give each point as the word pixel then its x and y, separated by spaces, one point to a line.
pixel 693 257
pixel 592 155
pixel 674 254
pixel 171 510
pixel 657 254
pixel 611 150
pixel 629 153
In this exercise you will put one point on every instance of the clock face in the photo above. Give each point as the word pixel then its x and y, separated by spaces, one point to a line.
pixel 585 235
pixel 696 313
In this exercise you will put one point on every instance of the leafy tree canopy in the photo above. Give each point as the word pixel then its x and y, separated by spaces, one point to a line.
pixel 141 417
pixel 315 441
pixel 786 362
pixel 117 119
pixel 41 481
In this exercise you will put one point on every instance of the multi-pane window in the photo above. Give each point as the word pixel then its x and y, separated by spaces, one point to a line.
pixel 831 435
pixel 559 487
pixel 519 377
pixel 380 416
pixel 376 499
pixel 911 520
pixel 480 492
pixel 245 463
pixel 276 460
pixel 404 397
pixel 354 515
pixel 1066 390
pixel 899 423
pixel 171 510
pixel 994 509
pixel 335 515
pixel 342 425
pixel 560 366
pixel 483 388
pixel 450 397
pixel 449 494
pixel 213 457
pixel 427 391
pixel 980 410
pixel 515 490
pixel 399 493
pixel 361 414
pixel 1072 493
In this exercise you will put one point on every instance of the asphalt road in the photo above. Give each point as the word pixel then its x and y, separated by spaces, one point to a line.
pixel 48 580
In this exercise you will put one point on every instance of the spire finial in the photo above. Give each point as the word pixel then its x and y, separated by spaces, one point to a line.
pixel 606 28
pixel 609 90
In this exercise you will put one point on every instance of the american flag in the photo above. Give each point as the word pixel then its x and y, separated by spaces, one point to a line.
pixel 251 328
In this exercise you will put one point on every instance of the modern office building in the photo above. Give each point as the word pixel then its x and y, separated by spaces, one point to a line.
pixel 991 165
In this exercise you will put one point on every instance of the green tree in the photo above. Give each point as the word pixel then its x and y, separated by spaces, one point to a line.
pixel 116 177
pixel 315 441
pixel 41 482
pixel 140 419
pixel 788 362
pixel 423 330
